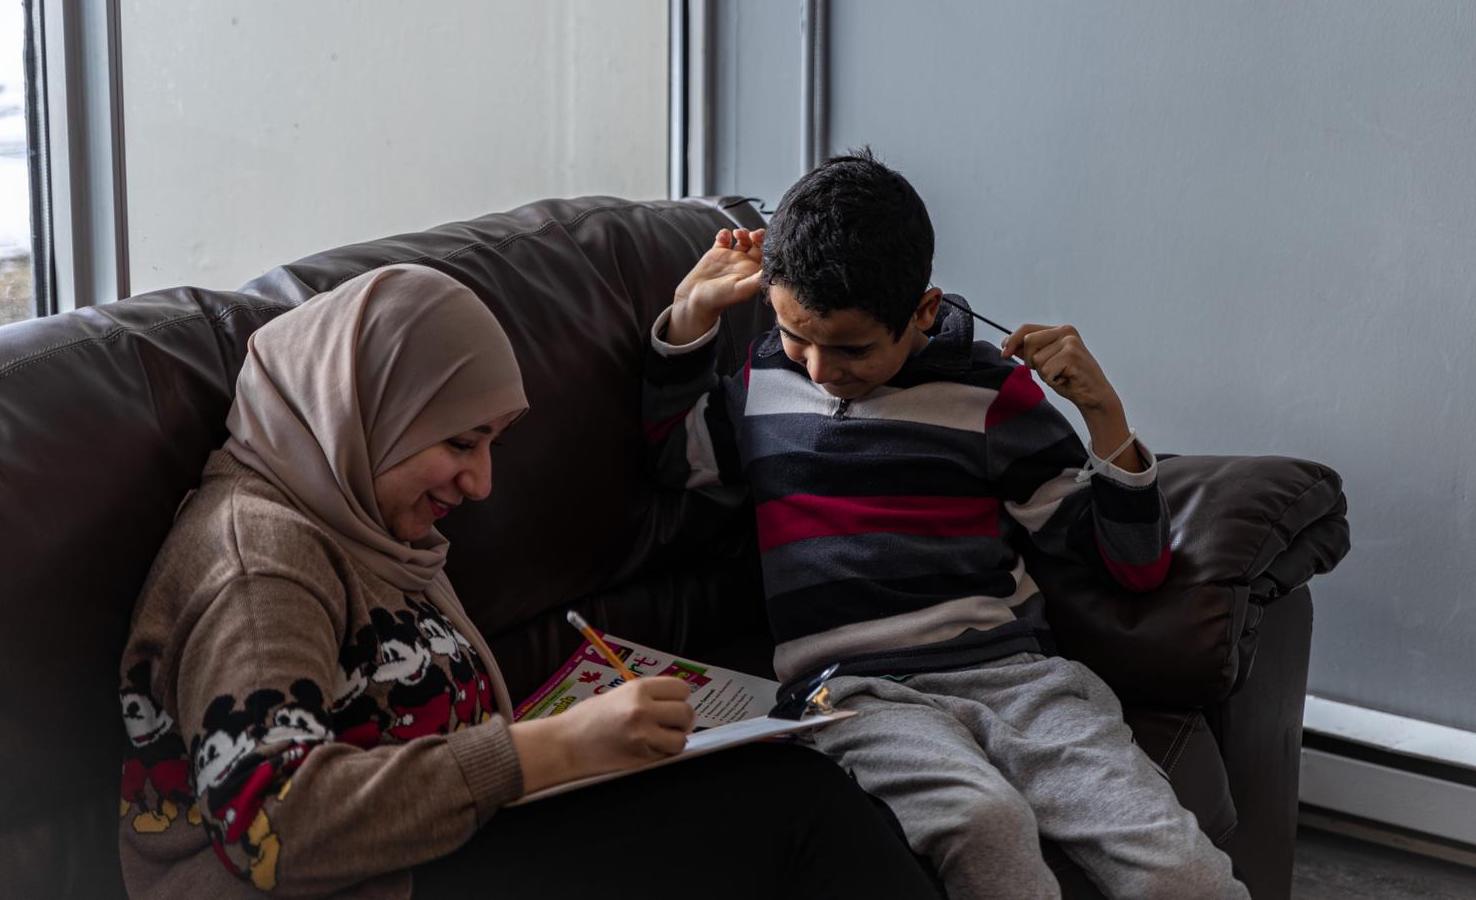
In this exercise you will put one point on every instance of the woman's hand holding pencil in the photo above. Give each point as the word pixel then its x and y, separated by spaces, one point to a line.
pixel 638 722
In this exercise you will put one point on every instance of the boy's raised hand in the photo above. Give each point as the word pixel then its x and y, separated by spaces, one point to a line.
pixel 1058 355
pixel 726 275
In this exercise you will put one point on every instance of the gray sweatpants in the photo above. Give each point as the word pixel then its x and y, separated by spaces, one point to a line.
pixel 977 763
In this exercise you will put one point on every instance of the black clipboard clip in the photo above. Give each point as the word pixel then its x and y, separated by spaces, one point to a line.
pixel 807 697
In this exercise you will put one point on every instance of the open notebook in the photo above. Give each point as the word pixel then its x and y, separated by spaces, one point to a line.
pixel 730 705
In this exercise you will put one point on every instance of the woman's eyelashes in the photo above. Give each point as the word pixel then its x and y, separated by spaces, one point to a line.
pixel 462 445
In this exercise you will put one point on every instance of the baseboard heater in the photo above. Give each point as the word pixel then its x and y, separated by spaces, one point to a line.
pixel 1370 769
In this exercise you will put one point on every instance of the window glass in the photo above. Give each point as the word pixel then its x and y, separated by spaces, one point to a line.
pixel 17 297
pixel 260 131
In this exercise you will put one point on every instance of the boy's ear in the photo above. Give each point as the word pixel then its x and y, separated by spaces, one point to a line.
pixel 927 309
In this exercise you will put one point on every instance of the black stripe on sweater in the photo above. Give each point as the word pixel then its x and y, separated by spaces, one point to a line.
pixel 724 438
pixel 1128 505
pixel 800 564
pixel 682 368
pixel 1020 479
pixel 880 439
pixel 841 475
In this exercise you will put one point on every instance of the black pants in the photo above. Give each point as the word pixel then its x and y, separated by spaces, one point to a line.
pixel 762 821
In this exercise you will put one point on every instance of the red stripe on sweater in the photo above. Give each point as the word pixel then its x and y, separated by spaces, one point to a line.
pixel 1138 578
pixel 802 516
pixel 656 432
pixel 1019 394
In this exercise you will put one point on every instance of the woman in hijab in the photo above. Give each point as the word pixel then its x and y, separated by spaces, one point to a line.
pixel 310 709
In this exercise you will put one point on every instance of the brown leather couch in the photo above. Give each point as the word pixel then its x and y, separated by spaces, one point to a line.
pixel 107 415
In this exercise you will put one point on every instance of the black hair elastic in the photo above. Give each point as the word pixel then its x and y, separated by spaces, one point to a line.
pixel 983 319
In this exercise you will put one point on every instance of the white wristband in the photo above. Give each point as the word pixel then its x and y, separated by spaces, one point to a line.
pixel 1091 468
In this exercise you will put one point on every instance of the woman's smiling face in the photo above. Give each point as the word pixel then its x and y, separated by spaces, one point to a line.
pixel 418 490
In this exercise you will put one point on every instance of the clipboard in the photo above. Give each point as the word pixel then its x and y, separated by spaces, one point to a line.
pixel 701 743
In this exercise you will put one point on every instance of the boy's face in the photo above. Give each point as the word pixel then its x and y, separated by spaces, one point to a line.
pixel 848 352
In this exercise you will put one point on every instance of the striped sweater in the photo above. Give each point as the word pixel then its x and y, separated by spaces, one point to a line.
pixel 889 526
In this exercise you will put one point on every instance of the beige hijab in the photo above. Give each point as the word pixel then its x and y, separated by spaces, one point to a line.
pixel 358 379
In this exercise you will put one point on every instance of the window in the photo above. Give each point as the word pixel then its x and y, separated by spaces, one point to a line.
pixel 202 144
pixel 293 127
pixel 17 294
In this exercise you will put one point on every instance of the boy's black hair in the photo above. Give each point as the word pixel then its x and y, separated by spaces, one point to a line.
pixel 852 234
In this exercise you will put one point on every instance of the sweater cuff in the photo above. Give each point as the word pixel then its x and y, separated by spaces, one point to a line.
pixel 659 344
pixel 490 765
pixel 1122 476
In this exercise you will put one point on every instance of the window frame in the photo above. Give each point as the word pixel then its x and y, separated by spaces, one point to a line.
pixel 75 136
pixel 36 162
pixel 691 28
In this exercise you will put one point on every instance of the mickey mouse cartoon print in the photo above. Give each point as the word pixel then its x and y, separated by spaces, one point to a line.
pixel 357 717
pixel 236 780
pixel 304 719
pixel 156 772
pixel 446 641
pixel 486 699
pixel 229 736
pixel 420 696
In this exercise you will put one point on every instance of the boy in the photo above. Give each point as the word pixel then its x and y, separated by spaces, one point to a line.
pixel 893 463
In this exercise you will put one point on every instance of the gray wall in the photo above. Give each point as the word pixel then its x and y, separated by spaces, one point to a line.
pixel 1262 215
pixel 756 71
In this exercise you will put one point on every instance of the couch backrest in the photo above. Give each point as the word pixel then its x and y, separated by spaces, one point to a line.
pixel 107 415
pixel 576 284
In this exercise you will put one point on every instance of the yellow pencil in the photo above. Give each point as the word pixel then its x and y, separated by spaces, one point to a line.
pixel 600 646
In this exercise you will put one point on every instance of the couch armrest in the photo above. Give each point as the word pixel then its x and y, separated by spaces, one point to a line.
pixel 1244 531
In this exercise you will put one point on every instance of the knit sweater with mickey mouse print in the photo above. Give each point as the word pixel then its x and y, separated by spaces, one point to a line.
pixel 295 722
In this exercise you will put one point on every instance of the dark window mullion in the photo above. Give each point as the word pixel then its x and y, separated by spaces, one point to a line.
pixel 38 162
